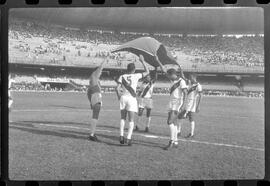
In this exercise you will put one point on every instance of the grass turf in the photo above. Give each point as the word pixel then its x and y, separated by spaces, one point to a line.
pixel 48 141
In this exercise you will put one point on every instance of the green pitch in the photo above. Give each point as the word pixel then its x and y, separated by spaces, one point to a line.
pixel 48 141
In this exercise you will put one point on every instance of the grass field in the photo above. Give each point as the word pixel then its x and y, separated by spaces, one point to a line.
pixel 48 140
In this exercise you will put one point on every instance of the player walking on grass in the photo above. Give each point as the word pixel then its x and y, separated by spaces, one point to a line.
pixel 145 100
pixel 178 92
pixel 192 102
pixel 128 102
pixel 95 98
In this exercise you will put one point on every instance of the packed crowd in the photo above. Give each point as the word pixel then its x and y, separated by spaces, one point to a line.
pixel 63 44
pixel 24 86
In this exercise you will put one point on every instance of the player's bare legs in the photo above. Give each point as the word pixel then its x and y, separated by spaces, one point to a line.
pixel 172 116
pixel 192 124
pixel 179 126
pixel 148 116
pixel 131 116
pixel 96 110
pixel 122 126
pixel 139 121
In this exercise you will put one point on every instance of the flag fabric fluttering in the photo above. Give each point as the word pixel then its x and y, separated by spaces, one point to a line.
pixel 149 48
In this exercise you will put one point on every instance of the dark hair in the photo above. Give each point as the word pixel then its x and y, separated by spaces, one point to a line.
pixel 131 67
pixel 171 71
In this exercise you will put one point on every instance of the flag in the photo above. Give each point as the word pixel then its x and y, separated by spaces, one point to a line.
pixel 149 48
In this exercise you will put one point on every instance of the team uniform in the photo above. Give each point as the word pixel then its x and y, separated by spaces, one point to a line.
pixel 94 95
pixel 176 94
pixel 10 100
pixel 191 101
pixel 129 84
pixel 145 96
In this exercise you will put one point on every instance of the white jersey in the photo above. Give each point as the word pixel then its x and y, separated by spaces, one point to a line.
pixel 10 83
pixel 129 83
pixel 147 89
pixel 193 92
pixel 177 87
pixel 9 86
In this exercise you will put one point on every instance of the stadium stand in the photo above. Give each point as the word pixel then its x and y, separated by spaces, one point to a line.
pixel 38 43
pixel 211 85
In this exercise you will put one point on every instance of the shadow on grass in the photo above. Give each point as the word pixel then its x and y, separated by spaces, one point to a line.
pixel 78 135
pixel 28 123
pixel 70 107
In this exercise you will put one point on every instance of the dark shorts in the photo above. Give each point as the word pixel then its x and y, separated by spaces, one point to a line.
pixel 148 112
pixel 172 117
pixel 94 98
pixel 189 115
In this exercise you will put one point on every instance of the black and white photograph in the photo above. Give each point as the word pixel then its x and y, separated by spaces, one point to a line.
pixel 168 93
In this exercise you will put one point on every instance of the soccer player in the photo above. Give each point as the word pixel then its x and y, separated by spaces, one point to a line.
pixel 95 98
pixel 192 102
pixel 128 102
pixel 178 92
pixel 10 100
pixel 145 100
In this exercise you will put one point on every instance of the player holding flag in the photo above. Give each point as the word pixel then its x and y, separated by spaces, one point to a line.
pixel 95 98
pixel 128 102
pixel 145 98
pixel 178 92
pixel 192 103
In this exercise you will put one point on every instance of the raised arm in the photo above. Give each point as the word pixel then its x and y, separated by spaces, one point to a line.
pixel 118 91
pixel 144 66
pixel 198 102
pixel 181 71
pixel 155 76
pixel 185 92
pixel 161 66
pixel 97 73
pixel 118 87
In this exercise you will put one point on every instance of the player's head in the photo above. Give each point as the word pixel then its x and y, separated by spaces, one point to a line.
pixel 193 77
pixel 172 74
pixel 147 78
pixel 131 68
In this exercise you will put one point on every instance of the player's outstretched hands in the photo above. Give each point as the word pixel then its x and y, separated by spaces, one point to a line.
pixel 160 64
pixel 141 58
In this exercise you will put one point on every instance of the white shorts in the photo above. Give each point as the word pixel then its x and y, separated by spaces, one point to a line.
pixel 145 103
pixel 128 103
pixel 175 104
pixel 190 105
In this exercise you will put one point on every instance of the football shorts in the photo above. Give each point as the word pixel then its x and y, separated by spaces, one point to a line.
pixel 190 105
pixel 145 103
pixel 95 98
pixel 128 103
pixel 186 114
pixel 175 104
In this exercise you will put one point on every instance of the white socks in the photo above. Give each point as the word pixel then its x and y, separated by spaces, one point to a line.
pixel 93 126
pixel 122 126
pixel 175 134
pixel 148 122
pixel 192 127
pixel 179 127
pixel 172 131
pixel 130 130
